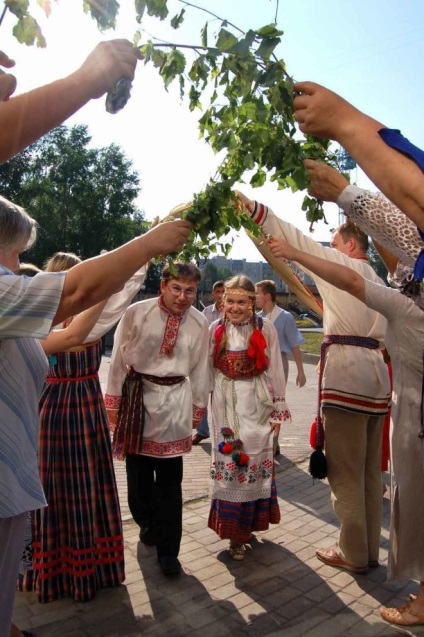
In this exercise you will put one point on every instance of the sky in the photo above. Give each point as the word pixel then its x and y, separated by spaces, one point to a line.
pixel 368 51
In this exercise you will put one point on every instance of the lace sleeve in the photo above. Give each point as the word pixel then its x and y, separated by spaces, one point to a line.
pixel 384 222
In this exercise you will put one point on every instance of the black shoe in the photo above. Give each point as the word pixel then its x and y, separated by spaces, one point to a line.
pixel 146 536
pixel 170 565
pixel 277 451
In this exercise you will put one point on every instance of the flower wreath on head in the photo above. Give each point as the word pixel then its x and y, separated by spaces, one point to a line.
pixel 232 447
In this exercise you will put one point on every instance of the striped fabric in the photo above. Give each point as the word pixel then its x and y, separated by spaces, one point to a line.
pixel 238 520
pixel 27 307
pixel 78 543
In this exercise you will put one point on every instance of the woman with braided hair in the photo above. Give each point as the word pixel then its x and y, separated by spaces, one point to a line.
pixel 248 407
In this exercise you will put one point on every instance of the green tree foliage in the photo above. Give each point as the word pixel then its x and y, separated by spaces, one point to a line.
pixel 376 262
pixel 245 96
pixel 83 198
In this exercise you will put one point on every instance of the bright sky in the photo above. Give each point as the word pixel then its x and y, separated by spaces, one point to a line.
pixel 369 51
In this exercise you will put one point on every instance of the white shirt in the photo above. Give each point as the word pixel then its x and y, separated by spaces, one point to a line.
pixel 170 410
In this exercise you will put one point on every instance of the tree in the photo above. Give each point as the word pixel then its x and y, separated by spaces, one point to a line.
pixel 376 262
pixel 82 198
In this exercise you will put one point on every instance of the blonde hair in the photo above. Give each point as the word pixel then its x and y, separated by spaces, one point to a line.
pixel 61 261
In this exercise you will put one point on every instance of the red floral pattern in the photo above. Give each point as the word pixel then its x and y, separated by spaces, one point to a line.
pixel 113 402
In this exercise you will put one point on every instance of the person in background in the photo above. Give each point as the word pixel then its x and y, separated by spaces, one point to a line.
pixel 157 392
pixel 28 269
pixel 289 336
pixel 212 312
pixel 248 406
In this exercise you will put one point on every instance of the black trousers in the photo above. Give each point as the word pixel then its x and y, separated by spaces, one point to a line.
pixel 155 498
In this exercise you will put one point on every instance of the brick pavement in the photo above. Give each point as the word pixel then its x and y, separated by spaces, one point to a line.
pixel 279 589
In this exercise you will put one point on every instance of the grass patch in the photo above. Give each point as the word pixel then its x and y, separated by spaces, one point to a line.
pixel 312 343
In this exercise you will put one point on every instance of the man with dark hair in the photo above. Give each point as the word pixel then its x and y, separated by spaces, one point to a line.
pixel 157 392
pixel 212 312
pixel 354 393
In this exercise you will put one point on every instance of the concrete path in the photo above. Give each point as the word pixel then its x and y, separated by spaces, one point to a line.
pixel 279 589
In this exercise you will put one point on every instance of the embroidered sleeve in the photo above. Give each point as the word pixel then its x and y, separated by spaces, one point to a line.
pixel 281 412
pixel 382 221
pixel 112 402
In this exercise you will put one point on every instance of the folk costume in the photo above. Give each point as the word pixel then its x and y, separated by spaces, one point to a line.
pixel 248 395
pixel 159 382
pixel 78 544
pixel 354 397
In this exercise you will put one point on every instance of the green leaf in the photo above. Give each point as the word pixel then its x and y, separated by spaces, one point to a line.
pixel 242 48
pixel 225 40
pixel 269 31
pixel 258 179
pixel 174 65
pixel 178 19
pixel 204 36
pixel 267 47
pixel 28 32
pixel 19 8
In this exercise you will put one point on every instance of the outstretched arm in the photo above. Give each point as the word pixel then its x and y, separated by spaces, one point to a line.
pixel 75 333
pixel 95 279
pixel 27 117
pixel 323 113
pixel 334 273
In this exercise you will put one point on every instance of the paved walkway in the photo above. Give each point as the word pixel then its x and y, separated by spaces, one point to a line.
pixel 279 589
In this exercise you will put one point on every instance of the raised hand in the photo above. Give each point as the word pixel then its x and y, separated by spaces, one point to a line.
pixel 321 112
pixel 327 183
pixel 247 203
pixel 280 248
pixel 7 80
pixel 168 237
pixel 108 62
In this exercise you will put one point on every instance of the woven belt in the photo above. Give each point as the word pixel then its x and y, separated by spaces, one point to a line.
pixel 128 435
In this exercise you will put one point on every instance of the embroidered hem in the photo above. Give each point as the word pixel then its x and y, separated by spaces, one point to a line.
pixel 354 402
pixel 166 449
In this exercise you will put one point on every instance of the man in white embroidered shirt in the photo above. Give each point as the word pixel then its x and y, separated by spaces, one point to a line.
pixel 157 392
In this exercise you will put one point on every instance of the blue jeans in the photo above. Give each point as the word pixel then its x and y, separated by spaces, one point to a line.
pixel 203 428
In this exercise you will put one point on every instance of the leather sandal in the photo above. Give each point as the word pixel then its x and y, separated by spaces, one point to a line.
pixel 396 615
pixel 331 557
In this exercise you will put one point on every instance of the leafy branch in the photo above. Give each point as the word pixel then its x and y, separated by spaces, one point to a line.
pixel 245 96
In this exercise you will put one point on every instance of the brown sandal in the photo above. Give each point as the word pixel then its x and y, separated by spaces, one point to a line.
pixel 395 615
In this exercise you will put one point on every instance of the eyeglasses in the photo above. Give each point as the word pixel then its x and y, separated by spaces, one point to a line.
pixel 176 291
